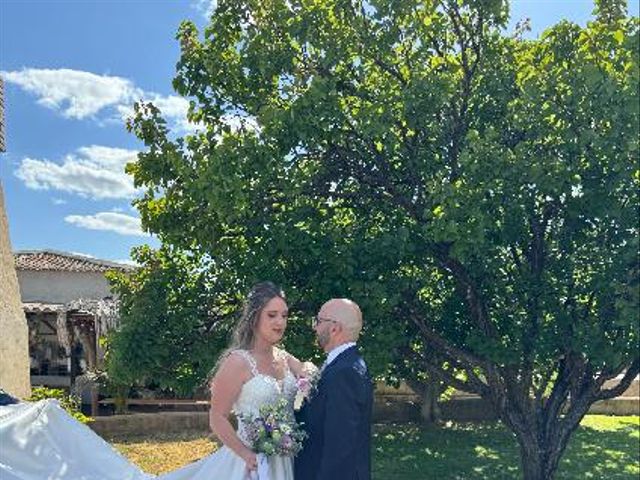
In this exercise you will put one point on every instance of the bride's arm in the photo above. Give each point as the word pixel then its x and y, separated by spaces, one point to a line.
pixel 225 388
pixel 300 369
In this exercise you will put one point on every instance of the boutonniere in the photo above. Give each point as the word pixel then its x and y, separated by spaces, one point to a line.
pixel 306 385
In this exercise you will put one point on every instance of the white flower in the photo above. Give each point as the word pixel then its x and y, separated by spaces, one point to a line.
pixel 306 384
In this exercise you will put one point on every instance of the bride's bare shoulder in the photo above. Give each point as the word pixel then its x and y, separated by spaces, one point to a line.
pixel 234 364
pixel 225 386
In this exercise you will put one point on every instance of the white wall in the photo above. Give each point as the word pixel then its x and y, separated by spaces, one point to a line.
pixel 61 287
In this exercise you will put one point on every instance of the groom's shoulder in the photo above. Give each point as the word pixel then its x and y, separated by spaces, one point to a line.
pixel 349 374
pixel 352 361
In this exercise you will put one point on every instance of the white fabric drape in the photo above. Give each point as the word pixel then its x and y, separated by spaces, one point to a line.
pixel 40 441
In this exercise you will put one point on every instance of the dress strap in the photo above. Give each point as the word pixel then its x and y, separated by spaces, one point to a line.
pixel 283 355
pixel 250 360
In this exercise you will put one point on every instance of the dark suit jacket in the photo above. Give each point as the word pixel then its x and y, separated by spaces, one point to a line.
pixel 338 421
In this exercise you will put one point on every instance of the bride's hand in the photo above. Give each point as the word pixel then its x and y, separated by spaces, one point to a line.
pixel 308 369
pixel 301 369
pixel 251 461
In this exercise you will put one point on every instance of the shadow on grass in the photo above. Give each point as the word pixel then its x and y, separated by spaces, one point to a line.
pixel 490 451
pixel 598 451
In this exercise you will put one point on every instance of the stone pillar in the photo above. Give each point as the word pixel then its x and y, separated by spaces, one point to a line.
pixel 14 333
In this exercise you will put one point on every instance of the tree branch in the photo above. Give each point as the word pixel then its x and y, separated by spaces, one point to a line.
pixel 444 347
pixel 623 385
pixel 470 289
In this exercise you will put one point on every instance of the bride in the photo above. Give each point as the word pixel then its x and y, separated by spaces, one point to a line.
pixel 252 373
pixel 40 440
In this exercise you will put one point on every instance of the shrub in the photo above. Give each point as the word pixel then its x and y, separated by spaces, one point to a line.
pixel 66 401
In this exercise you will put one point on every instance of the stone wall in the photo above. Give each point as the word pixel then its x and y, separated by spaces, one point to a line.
pixel 14 343
pixel 462 409
pixel 150 423
pixel 390 405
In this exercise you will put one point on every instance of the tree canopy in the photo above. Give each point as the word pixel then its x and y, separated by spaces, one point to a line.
pixel 174 321
pixel 476 192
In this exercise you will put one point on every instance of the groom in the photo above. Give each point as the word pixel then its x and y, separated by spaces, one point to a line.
pixel 337 417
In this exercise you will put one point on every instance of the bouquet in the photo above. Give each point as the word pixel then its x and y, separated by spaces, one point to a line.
pixel 274 431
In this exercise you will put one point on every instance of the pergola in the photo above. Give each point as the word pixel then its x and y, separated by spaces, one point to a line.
pixel 84 321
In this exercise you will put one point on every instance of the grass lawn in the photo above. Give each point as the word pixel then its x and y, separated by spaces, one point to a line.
pixel 602 448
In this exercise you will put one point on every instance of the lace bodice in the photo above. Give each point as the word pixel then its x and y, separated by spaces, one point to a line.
pixel 262 389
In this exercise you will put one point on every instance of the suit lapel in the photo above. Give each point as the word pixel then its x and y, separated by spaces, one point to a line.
pixel 343 355
pixel 340 358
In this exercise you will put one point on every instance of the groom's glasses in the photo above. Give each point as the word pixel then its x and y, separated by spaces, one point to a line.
pixel 315 321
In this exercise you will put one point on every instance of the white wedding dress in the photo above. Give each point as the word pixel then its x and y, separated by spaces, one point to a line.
pixel 40 441
pixel 224 464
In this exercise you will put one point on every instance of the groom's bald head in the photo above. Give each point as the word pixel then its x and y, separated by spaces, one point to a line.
pixel 347 313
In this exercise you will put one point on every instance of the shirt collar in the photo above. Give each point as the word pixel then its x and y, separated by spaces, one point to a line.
pixel 333 354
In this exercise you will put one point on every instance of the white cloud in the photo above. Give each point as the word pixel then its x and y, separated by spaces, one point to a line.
pixel 171 106
pixel 238 121
pixel 77 93
pixel 108 221
pixel 174 109
pixel 109 158
pixel 127 261
pixel 205 7
pixel 80 254
pixel 95 172
pixel 58 201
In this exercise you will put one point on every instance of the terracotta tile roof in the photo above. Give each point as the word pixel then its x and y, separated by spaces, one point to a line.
pixel 37 307
pixel 51 260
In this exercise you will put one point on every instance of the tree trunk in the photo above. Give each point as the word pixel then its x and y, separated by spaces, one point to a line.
pixel 429 392
pixel 94 401
pixel 540 459
pixel 540 452
pixel 430 410
pixel 531 464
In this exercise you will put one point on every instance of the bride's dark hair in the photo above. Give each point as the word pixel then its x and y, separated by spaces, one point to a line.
pixel 244 331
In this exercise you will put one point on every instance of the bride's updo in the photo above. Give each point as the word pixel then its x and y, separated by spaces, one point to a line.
pixel 244 332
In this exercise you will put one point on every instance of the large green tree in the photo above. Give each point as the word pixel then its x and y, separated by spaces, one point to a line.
pixel 475 192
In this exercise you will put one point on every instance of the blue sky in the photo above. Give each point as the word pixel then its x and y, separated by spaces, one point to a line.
pixel 72 70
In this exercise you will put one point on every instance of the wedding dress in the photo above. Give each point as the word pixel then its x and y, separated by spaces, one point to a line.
pixel 224 464
pixel 40 441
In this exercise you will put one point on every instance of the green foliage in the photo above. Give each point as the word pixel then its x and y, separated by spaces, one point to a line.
pixel 392 167
pixel 66 401
pixel 476 194
pixel 174 322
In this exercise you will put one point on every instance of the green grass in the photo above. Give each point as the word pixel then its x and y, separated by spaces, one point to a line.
pixel 602 448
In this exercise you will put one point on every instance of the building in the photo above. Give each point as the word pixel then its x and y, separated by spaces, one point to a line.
pixel 69 306
pixel 14 358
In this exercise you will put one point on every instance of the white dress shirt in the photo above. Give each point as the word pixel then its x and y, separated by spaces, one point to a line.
pixel 333 354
